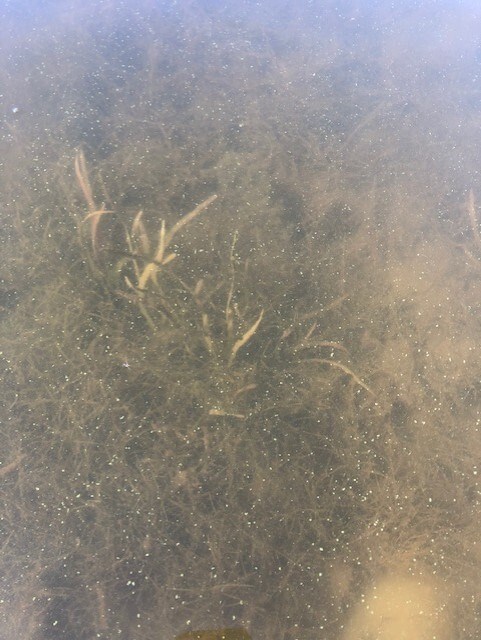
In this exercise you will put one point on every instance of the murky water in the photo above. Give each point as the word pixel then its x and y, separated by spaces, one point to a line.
pixel 240 319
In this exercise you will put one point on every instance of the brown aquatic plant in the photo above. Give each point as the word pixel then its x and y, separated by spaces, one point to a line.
pixel 161 257
pixel 238 344
pixel 95 213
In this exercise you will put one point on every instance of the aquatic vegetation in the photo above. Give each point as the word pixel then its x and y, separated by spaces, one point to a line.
pixel 95 213
pixel 160 259
pixel 241 374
